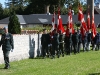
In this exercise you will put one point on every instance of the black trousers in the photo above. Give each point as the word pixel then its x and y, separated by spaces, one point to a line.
pixel 55 48
pixel 68 48
pixel 75 45
pixel 61 48
pixel 44 50
pixel 6 57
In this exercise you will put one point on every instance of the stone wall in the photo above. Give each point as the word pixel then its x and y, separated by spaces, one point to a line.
pixel 25 46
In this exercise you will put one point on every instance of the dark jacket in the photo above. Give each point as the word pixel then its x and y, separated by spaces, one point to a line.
pixel 44 39
pixel 61 38
pixel 96 39
pixel 7 42
pixel 89 37
pixel 68 39
pixel 75 38
pixel 80 38
pixel 85 38
pixel 55 39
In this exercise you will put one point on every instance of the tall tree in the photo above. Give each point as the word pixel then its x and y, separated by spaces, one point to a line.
pixel 17 5
pixel 1 11
pixel 6 12
pixel 14 25
pixel 74 4
pixel 38 6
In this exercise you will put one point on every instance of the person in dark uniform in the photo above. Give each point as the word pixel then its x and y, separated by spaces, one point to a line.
pixel 68 42
pixel 95 41
pixel 98 34
pixel 55 43
pixel 44 43
pixel 84 41
pixel 80 41
pixel 75 41
pixel 7 46
pixel 61 43
pixel 49 44
pixel 89 39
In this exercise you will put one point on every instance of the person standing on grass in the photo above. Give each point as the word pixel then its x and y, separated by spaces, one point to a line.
pixel 95 41
pixel 80 41
pixel 75 41
pixel 55 44
pixel 68 42
pixel 44 43
pixel 61 43
pixel 89 39
pixel 84 42
pixel 7 46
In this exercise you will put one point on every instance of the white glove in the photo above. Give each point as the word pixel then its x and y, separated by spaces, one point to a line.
pixel 11 50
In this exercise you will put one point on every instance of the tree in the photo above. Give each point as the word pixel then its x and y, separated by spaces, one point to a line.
pixel 6 13
pixel 74 5
pixel 38 6
pixel 1 11
pixel 17 5
pixel 14 25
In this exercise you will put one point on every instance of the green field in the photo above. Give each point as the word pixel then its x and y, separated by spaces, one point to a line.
pixel 84 63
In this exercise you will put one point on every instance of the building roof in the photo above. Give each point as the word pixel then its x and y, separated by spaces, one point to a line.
pixel 45 19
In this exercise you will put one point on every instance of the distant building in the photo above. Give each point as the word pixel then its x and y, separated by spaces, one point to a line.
pixel 43 19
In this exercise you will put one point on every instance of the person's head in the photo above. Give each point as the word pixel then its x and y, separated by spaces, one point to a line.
pixel 44 31
pixel 55 30
pixel 60 32
pixel 5 29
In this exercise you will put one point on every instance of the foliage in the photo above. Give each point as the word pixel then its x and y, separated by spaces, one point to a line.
pixel 38 27
pixel 14 25
pixel 38 6
pixel 74 5
pixel 6 13
pixel 1 11
pixel 87 63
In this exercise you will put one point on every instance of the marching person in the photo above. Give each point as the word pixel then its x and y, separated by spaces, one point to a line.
pixel 89 39
pixel 55 43
pixel 84 41
pixel 95 41
pixel 68 42
pixel 80 41
pixel 75 41
pixel 61 43
pixel 7 46
pixel 44 43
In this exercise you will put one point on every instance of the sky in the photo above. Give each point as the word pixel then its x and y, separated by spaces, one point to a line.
pixel 2 2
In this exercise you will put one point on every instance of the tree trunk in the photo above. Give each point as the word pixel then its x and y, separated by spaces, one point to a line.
pixel 90 3
pixel 47 9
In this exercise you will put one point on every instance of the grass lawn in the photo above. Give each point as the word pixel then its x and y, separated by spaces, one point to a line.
pixel 84 63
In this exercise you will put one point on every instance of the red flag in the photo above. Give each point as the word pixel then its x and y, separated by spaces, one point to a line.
pixel 53 22
pixel 81 19
pixel 82 32
pixel 88 20
pixel 93 28
pixel 80 14
pixel 70 22
pixel 60 26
